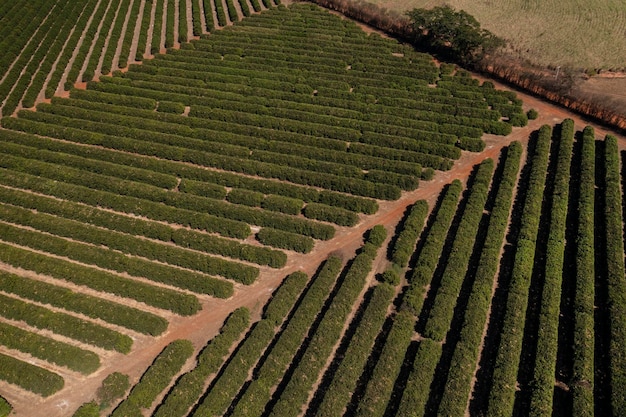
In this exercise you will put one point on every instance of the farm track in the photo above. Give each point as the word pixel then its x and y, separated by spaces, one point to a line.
pixel 202 326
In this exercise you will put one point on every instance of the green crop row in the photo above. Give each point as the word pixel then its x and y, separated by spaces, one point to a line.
pixel 330 214
pixel 221 14
pixel 188 388
pixel 245 9
pixel 285 240
pixel 615 274
pixel 346 376
pixel 64 324
pixel 95 96
pixel 456 265
pixel 582 382
pixel 196 18
pixel 170 23
pixel 49 350
pixel 256 396
pixel 326 335
pixel 548 329
pixel 422 372
pixel 140 247
pixel 430 252
pixel 208 15
pixel 232 12
pixel 407 238
pixel 82 216
pixel 114 37
pixel 232 377
pixel 183 304
pixel 380 384
pixel 465 356
pixel 114 261
pixel 142 41
pixel 183 29
pixel 97 308
pixel 151 210
pixel 29 377
pixel 156 378
pixel 99 45
pixel 83 51
pixel 502 395
pixel 157 31
pixel 129 35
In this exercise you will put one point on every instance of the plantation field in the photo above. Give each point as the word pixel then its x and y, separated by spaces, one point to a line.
pixel 290 216
pixel 568 33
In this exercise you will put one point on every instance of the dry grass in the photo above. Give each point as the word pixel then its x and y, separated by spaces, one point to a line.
pixel 580 34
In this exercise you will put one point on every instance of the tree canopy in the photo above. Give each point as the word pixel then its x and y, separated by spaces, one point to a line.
pixel 455 34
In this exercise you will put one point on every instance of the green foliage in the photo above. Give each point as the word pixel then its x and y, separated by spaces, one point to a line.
pixel 113 387
pixel 322 212
pixel 156 378
pixel 407 238
pixel 285 240
pixel 5 408
pixel 456 34
pixel 90 409
pixel 188 388
pixel 29 377
pixel 532 114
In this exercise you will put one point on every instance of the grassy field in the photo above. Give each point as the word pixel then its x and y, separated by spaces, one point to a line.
pixel 574 33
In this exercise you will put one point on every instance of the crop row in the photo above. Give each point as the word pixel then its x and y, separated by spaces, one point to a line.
pixel 221 392
pixel 81 217
pixel 507 359
pixel 156 378
pixel 142 40
pixel 115 32
pixel 256 396
pixel 49 350
pixel 29 377
pixel 194 180
pixel 296 390
pixel 466 352
pixel 347 374
pixel 183 304
pixel 64 324
pixel 89 306
pixel 132 20
pixel 115 261
pixel 584 299
pixel 139 247
pixel 548 333
pixel 430 251
pixel 412 225
pixel 98 48
pixel 616 275
pixel 188 388
pixel 440 315
pixel 172 150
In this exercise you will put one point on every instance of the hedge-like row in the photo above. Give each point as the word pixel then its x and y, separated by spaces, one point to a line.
pixel 183 304
pixel 157 28
pixel 183 29
pixel 188 388
pixel 156 378
pixel 380 385
pixel 330 214
pixel 172 151
pixel 129 35
pixel 412 225
pixel 296 391
pixel 170 23
pixel 256 396
pixel 232 377
pixel 76 213
pixel 285 240
pixel 149 209
pixel 95 96
pixel 196 18
pixel 29 377
pixel 502 394
pixel 114 36
pixel 346 376
pixel 142 41
pixel 430 252
pixel 417 389
pixel 64 324
pixel 49 350
pixel 465 356
pixel 110 312
pixel 219 11
pixel 115 261
pixel 615 275
pixel 440 316
pixel 542 393
pixel 140 247
pixel 582 383
pixel 418 159
pixel 98 47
